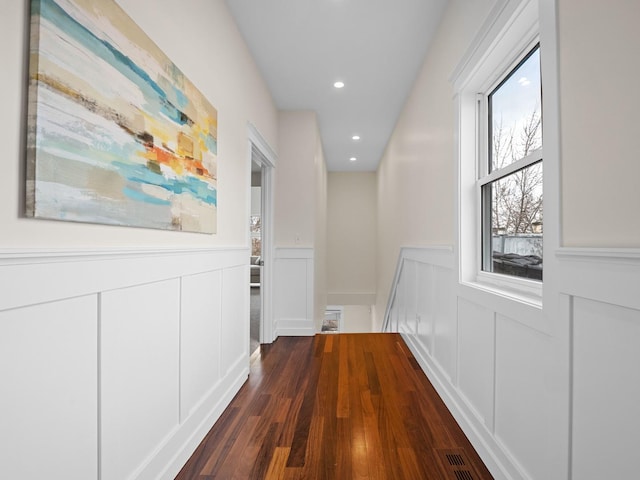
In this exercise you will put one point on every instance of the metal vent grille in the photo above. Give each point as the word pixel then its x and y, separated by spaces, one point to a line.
pixel 454 459
pixel 455 464
pixel 463 475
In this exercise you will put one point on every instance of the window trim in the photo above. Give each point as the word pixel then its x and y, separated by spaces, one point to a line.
pixel 487 175
pixel 502 78
pixel 512 30
pixel 484 203
pixel 534 157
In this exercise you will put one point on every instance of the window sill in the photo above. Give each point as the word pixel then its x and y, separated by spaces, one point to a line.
pixel 519 290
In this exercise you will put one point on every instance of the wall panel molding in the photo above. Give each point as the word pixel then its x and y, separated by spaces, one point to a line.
pixel 49 401
pixel 28 273
pixel 176 449
pixel 609 378
pixel 527 396
pixel 170 322
pixel 608 275
pixel 600 287
pixel 293 281
pixel 437 320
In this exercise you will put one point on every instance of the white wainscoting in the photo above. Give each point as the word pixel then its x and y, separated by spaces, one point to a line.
pixel 484 363
pixel 49 385
pixel 293 292
pixel 557 402
pixel 115 363
pixel 601 288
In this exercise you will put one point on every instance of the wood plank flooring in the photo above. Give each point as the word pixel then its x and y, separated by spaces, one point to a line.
pixel 336 407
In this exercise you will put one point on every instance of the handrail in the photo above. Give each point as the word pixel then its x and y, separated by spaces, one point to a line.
pixel 392 292
pixel 440 255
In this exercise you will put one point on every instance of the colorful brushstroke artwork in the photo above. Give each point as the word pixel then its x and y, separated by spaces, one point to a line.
pixel 116 133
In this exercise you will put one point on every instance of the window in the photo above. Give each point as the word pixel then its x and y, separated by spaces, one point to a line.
pixel 510 172
pixel 498 96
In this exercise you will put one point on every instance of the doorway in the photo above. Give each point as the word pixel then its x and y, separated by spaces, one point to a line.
pixel 256 263
pixel 262 162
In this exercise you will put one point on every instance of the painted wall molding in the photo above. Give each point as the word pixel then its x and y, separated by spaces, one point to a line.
pixel 626 255
pixel 151 344
pixel 526 397
pixel 294 291
pixel 28 273
pixel 176 449
pixel 440 255
pixel 455 341
pixel 608 275
pixel 481 438
pixel 22 256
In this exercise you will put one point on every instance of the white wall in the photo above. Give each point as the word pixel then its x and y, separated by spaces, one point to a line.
pixel 120 347
pixel 300 225
pixel 295 182
pixel 416 174
pixel 351 230
pixel 356 319
pixel 600 121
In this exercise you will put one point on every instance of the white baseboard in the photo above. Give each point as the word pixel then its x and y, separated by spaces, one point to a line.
pixel 173 455
pixel 293 292
pixel 289 327
pixel 484 443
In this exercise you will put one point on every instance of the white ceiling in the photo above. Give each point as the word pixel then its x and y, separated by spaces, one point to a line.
pixel 376 47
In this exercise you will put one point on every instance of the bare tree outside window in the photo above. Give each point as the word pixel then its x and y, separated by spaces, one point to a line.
pixel 255 227
pixel 512 200
pixel 517 198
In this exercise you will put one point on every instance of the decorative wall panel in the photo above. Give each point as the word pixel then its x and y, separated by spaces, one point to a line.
pixel 110 359
pixel 49 400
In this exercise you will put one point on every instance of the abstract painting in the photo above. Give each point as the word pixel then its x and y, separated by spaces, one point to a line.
pixel 116 133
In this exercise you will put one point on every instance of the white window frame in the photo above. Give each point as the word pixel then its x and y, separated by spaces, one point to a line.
pixel 511 31
pixel 487 176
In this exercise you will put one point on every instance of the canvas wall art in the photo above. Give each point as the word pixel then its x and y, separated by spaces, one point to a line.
pixel 116 133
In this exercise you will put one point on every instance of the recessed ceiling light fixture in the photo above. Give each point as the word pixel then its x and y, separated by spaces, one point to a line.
pixel 338 84
pixel 352 159
pixel 355 137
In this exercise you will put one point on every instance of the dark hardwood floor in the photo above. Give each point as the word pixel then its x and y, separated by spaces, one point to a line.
pixel 336 407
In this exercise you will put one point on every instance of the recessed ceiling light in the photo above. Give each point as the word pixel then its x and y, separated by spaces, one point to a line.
pixel 338 84
pixel 352 159
pixel 355 137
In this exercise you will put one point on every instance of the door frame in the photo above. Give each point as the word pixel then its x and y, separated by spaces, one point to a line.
pixel 262 153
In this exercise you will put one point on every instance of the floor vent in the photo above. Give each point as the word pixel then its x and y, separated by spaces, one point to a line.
pixel 454 459
pixel 463 475
pixel 455 464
